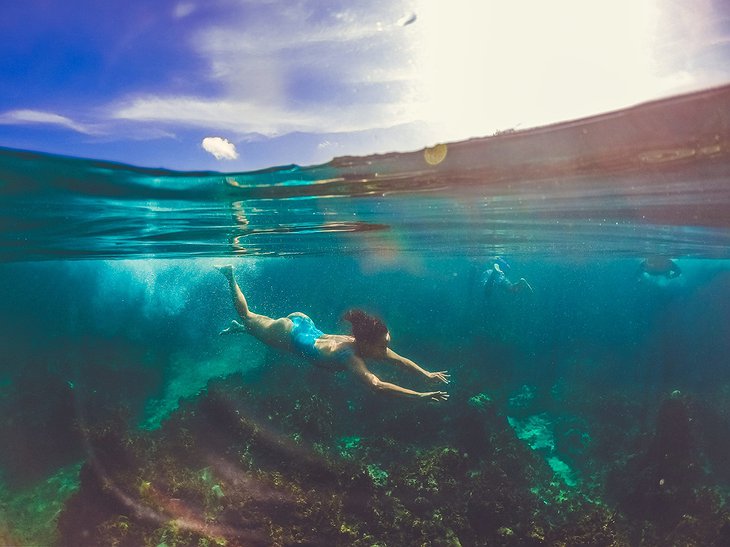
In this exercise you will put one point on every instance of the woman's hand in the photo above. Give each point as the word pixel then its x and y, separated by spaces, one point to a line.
pixel 437 396
pixel 441 376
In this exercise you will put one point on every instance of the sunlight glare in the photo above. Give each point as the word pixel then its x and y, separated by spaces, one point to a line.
pixel 488 65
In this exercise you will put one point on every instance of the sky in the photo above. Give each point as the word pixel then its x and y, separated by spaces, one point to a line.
pixel 234 85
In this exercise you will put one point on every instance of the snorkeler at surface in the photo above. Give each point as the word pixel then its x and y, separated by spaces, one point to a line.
pixel 296 333
pixel 495 277
pixel 658 266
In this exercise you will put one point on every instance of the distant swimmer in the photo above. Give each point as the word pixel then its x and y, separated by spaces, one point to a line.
pixel 495 276
pixel 297 333
pixel 658 266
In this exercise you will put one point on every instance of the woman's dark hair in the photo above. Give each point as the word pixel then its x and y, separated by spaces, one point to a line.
pixel 365 327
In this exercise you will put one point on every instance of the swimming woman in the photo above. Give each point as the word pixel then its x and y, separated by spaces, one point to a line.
pixel 296 333
pixel 658 266
pixel 495 276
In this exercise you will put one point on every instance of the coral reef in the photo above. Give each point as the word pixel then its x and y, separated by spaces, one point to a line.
pixel 237 465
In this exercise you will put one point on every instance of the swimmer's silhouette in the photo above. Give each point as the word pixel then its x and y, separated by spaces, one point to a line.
pixel 495 277
pixel 658 266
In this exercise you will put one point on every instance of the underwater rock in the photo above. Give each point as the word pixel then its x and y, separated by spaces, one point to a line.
pixel 27 516
pixel 712 420
pixel 723 536
pixel 659 483
pixel 236 467
pixel 138 489
pixel 521 403
pixel 38 429
pixel 536 431
pixel 572 439
pixel 480 401
pixel 562 470
pixel 665 484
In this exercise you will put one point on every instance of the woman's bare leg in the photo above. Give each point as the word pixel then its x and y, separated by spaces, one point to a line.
pixel 521 285
pixel 273 332
pixel 239 301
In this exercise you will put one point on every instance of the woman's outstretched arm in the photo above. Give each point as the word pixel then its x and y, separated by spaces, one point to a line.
pixel 394 358
pixel 357 366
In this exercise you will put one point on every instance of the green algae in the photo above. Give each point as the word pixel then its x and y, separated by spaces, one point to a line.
pixel 348 445
pixel 379 476
pixel 480 401
pixel 30 515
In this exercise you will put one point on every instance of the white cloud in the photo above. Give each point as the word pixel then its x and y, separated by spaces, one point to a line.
pixel 294 67
pixel 228 114
pixel 183 9
pixel 21 117
pixel 260 55
pixel 247 116
pixel 280 71
pixel 465 68
pixel 221 148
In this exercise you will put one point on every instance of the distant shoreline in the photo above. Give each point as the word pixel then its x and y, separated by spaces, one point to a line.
pixel 684 128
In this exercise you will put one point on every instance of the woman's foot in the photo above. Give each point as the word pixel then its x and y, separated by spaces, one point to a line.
pixel 226 270
pixel 234 328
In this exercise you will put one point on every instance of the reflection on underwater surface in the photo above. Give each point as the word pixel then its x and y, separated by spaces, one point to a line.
pixel 647 180
pixel 593 409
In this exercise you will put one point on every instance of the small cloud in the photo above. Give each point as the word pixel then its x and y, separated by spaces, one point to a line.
pixel 183 9
pixel 221 148
pixel 20 117
pixel 406 20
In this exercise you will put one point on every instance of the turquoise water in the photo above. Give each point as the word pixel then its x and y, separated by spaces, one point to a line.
pixel 593 410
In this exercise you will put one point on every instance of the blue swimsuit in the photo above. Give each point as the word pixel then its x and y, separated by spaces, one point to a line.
pixel 304 334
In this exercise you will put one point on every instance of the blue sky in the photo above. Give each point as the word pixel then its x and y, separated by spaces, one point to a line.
pixel 267 82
